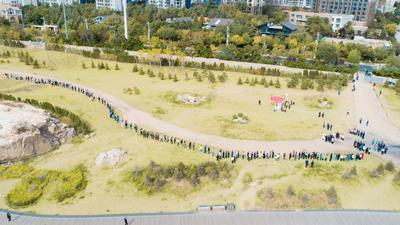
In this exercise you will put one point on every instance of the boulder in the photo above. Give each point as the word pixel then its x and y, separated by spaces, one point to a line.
pixel 111 157
pixel 26 131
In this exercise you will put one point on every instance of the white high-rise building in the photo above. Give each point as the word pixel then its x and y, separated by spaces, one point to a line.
pixel 19 3
pixel 115 5
pixel 308 4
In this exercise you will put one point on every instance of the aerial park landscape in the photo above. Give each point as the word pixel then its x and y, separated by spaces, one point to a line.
pixel 87 138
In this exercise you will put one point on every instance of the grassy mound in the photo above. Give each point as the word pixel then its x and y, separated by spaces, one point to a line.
pixel 319 102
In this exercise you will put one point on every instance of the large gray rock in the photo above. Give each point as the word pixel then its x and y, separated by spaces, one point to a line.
pixel 26 131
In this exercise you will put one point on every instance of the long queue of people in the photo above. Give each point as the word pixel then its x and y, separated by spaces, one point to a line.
pixel 220 154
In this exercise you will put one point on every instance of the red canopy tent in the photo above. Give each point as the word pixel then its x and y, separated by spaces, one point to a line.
pixel 277 99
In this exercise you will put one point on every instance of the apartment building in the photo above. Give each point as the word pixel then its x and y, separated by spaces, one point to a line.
pixel 337 21
pixel 362 10
pixel 115 5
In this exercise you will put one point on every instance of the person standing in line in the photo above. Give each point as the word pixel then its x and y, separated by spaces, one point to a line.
pixel 126 221
pixel 8 216
pixel 259 102
pixel 367 123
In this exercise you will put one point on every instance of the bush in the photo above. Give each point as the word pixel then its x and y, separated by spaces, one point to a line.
pixel 83 65
pixel 154 177
pixel 351 173
pixel 247 178
pixel 331 195
pixel 239 82
pixel 15 171
pixel 69 183
pixel 116 67
pixel 135 69
pixel 28 190
pixel 396 179
pixel 290 192
pixel 389 166
pixel 277 84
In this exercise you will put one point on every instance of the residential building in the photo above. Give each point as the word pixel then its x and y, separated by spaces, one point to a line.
pixel 179 19
pixel 285 29
pixel 337 21
pixel 58 2
pixel 161 4
pixel 255 6
pixel 386 6
pixel 307 4
pixel 217 22
pixel 10 12
pixel 362 10
pixel 373 43
pixel 115 5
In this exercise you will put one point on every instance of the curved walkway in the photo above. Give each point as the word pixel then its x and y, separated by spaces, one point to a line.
pixel 328 217
pixel 144 119
pixel 367 106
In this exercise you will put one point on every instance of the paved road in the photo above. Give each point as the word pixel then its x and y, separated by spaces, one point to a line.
pixel 219 218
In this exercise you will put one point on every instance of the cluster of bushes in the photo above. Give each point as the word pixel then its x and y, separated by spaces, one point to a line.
pixel 29 60
pixel 71 119
pixel 389 71
pixel 6 54
pixel 319 102
pixel 308 79
pixel 33 185
pixel 240 115
pixel 380 170
pixel 130 91
pixel 290 198
pixel 263 82
pixel 154 177
pixel 13 43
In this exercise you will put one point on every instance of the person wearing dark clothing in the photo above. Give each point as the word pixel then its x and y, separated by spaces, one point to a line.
pixel 306 163
pixel 312 164
pixel 259 102
pixel 126 221
pixel 8 216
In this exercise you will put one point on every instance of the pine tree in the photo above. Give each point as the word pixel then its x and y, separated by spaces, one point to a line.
pixel 107 67
pixel 116 66
pixel 135 69
pixel 240 82
pixel 83 65
pixel 277 84
pixel 175 78
pixel 271 83
pixel 36 64
pixel 93 66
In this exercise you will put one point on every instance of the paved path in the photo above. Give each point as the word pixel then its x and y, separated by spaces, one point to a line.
pixel 369 107
pixel 144 119
pixel 218 218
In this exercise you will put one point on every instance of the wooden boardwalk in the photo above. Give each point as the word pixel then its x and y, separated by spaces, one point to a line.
pixel 328 217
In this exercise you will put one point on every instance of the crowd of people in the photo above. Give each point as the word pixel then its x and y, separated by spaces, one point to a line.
pixel 379 146
pixel 220 154
pixel 357 132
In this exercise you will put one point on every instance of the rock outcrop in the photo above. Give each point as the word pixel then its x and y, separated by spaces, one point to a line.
pixel 26 131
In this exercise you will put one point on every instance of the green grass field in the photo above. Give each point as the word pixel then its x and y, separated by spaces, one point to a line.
pixel 108 190
pixel 223 99
pixel 391 104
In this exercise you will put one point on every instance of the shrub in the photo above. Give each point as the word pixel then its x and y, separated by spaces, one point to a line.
pixel 277 84
pixel 69 183
pixel 107 67
pixel 135 69
pixel 247 178
pixel 36 64
pixel 380 169
pixel 331 195
pixel 141 71
pixel 28 190
pixel 290 192
pixel 175 78
pixel 15 171
pixel 93 66
pixel 116 67
pixel 240 82
pixel 389 166
pixel 136 90
pixel 396 178
pixel 154 177
pixel 83 65
pixel 351 173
